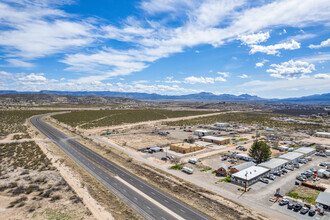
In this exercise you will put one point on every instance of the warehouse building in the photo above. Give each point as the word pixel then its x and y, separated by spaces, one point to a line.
pixel 291 156
pixel 201 133
pixel 306 151
pixel 323 200
pixel 274 164
pixel 185 148
pixel 222 125
pixel 249 175
pixel 216 140
pixel 323 134
pixel 242 166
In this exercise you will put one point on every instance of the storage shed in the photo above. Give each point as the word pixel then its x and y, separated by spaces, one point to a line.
pixel 222 170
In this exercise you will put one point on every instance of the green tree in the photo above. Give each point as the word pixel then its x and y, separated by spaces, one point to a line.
pixel 260 151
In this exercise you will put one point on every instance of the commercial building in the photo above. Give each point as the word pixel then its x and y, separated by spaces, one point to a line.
pixel 323 134
pixel 222 170
pixel 185 148
pixel 306 151
pixel 218 124
pixel 242 166
pixel 323 200
pixel 249 175
pixel 216 140
pixel 291 156
pixel 274 164
pixel 203 132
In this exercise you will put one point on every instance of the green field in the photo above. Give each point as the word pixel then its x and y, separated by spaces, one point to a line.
pixel 98 118
pixel 250 118
pixel 12 121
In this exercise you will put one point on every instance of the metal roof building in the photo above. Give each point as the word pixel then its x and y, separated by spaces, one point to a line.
pixel 291 156
pixel 323 199
pixel 241 167
pixel 249 175
pixel 274 164
pixel 307 151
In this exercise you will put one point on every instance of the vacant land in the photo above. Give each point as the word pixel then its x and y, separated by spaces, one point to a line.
pixel 304 193
pixel 12 121
pixel 100 118
pixel 30 187
pixel 249 118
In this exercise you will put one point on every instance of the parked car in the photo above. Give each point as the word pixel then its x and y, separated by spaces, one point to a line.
pixel 301 178
pixel 323 164
pixel 313 170
pixel 323 155
pixel 165 158
pixel 290 206
pixel 289 168
pixel 283 202
pixel 284 171
pixel 271 177
pixel 304 210
pixel 264 180
pixel 297 207
pixel 311 212
pixel 296 165
pixel 277 173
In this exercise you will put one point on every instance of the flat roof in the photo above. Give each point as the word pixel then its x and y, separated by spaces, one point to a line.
pixel 305 150
pixel 273 163
pixel 243 166
pixel 250 173
pixel 186 145
pixel 215 138
pixel 323 198
pixel 324 133
pixel 291 156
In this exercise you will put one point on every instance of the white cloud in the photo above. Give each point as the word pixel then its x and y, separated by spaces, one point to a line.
pixel 261 64
pixel 224 74
pixel 325 43
pixel 291 69
pixel 203 80
pixel 322 76
pixel 33 79
pixel 274 49
pixel 169 79
pixel 254 38
pixel 19 63
pixel 243 76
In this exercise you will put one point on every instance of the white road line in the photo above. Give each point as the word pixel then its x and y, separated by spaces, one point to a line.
pixel 148 207
pixel 152 193
pixel 165 200
pixel 182 211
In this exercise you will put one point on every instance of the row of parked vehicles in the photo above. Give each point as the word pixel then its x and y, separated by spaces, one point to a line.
pixel 307 174
pixel 298 207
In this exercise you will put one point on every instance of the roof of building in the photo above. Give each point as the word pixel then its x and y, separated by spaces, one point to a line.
pixel 242 155
pixel 291 156
pixel 223 166
pixel 203 131
pixel 324 198
pixel 185 145
pixel 215 138
pixel 305 150
pixel 273 163
pixel 243 166
pixel 250 172
pixel 323 133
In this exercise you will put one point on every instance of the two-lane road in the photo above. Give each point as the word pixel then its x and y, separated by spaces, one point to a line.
pixel 149 201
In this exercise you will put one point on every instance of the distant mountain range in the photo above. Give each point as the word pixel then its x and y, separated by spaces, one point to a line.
pixel 203 96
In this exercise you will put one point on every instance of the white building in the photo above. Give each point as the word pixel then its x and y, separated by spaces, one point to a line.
pixel 291 156
pixel 323 134
pixel 283 147
pixel 323 200
pixel 249 175
pixel 203 132
pixel 274 164
pixel 218 124
pixel 306 151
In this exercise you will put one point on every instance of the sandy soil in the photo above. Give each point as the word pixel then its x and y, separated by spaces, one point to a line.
pixel 317 140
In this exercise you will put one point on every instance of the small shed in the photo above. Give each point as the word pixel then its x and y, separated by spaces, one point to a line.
pixel 222 170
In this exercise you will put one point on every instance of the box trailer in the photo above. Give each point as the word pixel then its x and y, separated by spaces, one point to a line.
pixel 188 170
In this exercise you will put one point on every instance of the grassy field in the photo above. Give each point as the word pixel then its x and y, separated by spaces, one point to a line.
pixel 304 193
pixel 262 119
pixel 12 121
pixel 99 118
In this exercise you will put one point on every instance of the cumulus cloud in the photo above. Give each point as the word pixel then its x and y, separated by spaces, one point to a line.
pixel 274 49
pixel 254 38
pixel 322 76
pixel 325 43
pixel 261 64
pixel 291 69
pixel 170 79
pixel 224 74
pixel 204 80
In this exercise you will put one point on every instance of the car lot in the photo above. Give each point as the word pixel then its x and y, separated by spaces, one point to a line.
pixel 297 214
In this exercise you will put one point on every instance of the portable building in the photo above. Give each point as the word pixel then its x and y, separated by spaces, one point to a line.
pixel 201 133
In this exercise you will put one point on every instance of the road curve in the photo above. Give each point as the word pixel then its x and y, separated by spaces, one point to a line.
pixel 134 191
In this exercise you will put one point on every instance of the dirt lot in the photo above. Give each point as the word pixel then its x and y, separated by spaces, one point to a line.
pixel 30 187
pixel 139 141
pixel 304 193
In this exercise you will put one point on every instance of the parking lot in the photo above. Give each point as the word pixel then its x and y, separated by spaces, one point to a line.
pixel 284 209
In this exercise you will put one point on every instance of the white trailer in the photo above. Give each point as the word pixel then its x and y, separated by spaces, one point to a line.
pixel 188 170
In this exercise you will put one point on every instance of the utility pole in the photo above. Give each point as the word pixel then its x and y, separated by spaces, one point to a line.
pixel 257 132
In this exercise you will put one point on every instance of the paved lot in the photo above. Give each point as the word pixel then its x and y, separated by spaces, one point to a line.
pixel 284 209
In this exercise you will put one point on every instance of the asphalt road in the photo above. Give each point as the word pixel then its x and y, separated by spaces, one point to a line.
pixel 134 191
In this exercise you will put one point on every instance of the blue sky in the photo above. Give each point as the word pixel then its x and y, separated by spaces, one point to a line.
pixel 266 48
